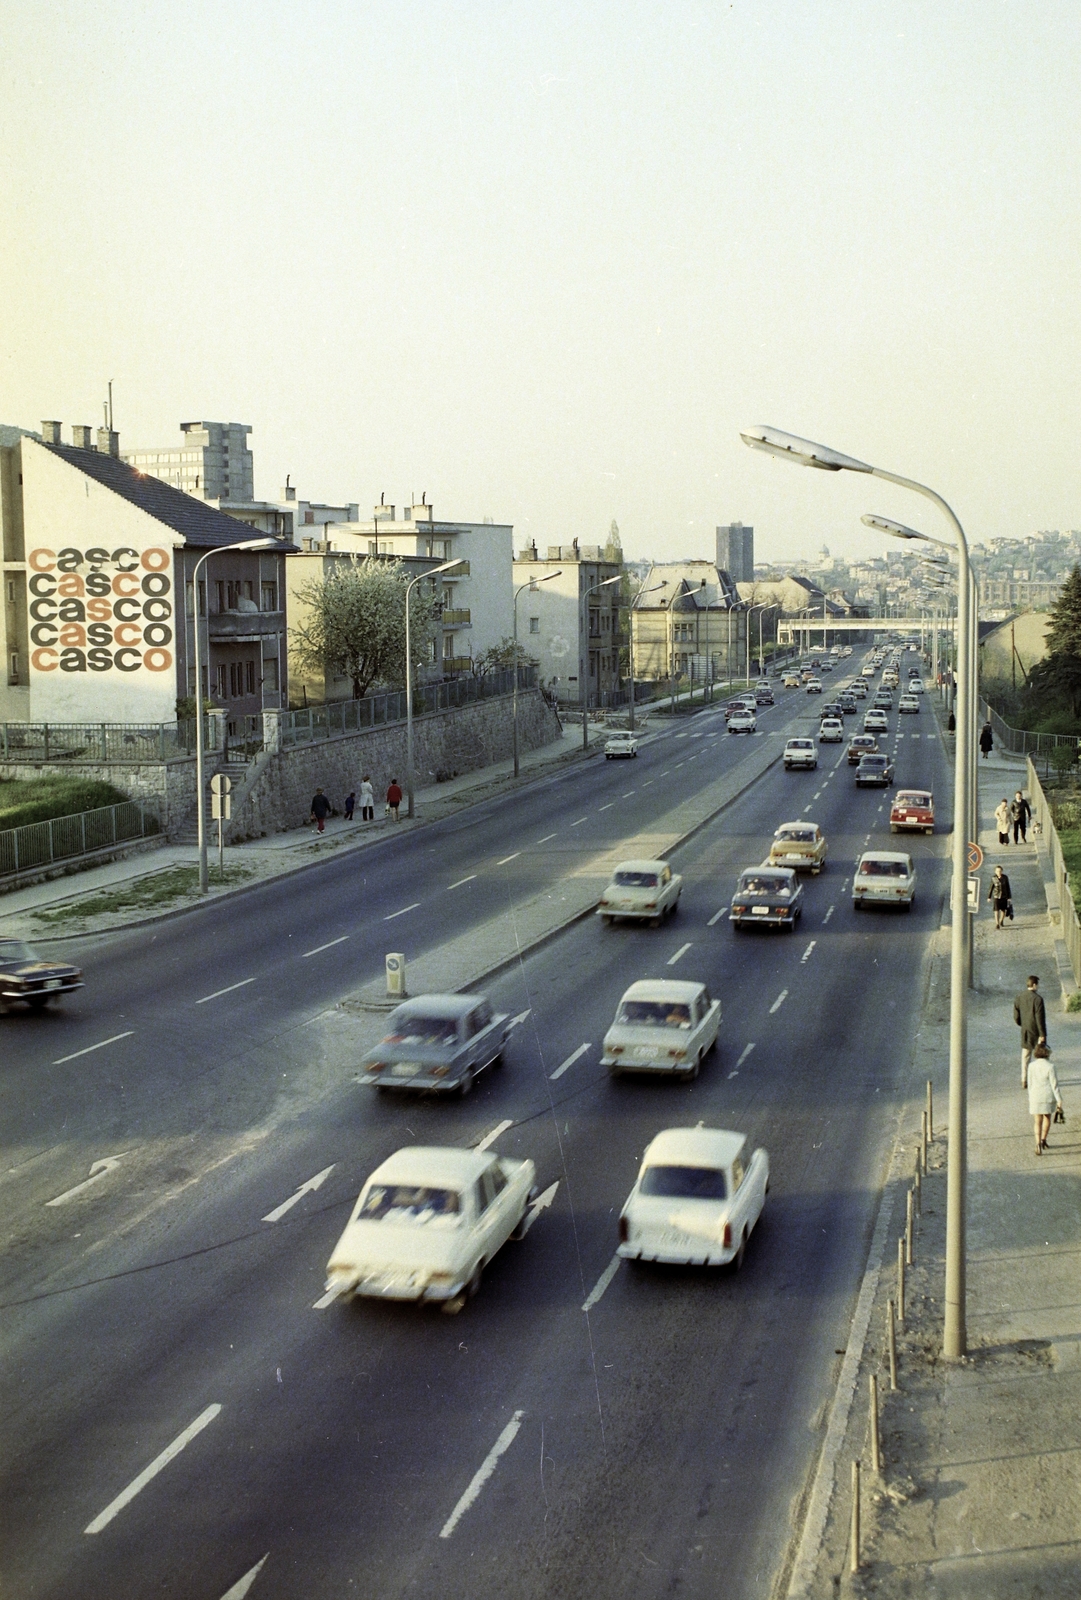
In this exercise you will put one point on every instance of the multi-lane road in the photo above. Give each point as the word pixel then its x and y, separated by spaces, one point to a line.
pixel 580 1427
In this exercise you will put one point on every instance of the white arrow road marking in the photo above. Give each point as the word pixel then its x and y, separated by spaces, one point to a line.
pixel 218 992
pixel 541 1203
pixel 519 1019
pixel 402 912
pixel 779 1002
pixel 480 1478
pixel 98 1170
pixel 716 917
pixel 747 1048
pixel 458 885
pixel 601 1284
pixel 571 1059
pixel 305 1188
pixel 321 947
pixel 490 1138
pixel 828 915
pixel 682 951
pixel 806 954
pixel 103 1518
pixel 241 1587
pixel 92 1047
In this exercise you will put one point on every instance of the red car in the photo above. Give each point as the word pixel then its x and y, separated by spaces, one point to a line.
pixel 913 808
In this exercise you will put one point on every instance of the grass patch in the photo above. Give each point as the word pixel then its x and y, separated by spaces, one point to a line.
pixel 38 799
pixel 1074 1002
pixel 158 890
pixel 1070 840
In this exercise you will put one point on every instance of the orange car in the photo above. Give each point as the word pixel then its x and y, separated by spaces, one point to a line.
pixel 913 808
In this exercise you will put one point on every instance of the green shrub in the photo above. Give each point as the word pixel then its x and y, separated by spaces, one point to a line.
pixel 1074 1002
pixel 1070 841
pixel 41 798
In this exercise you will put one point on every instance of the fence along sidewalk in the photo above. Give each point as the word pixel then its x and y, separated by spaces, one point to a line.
pixel 107 742
pixel 1047 838
pixel 38 844
pixel 1019 741
pixel 376 710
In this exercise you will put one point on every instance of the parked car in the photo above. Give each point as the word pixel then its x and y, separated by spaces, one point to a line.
pixel 800 753
pixel 438 1042
pixel 860 745
pixel 913 809
pixel 884 877
pixel 641 891
pixel 874 770
pixel 662 1026
pixel 767 897
pixel 31 979
pixel 620 745
pixel 428 1221
pixel 742 721
pixel 908 705
pixel 799 845
pixel 696 1199
pixel 831 731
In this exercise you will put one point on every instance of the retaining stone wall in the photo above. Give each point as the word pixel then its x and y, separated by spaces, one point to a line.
pixel 165 788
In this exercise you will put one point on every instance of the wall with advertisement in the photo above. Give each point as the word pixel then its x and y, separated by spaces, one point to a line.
pixel 101 596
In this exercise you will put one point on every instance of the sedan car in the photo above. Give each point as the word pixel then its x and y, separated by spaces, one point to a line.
pixel 868 671
pixel 427 1222
pixel 799 845
pixel 874 770
pixel 438 1042
pixel 620 744
pixel 662 1026
pixel 913 809
pixel 696 1200
pixel 858 690
pixel 876 722
pixel 800 753
pixel 884 877
pixel 832 708
pixel 763 695
pixel 791 680
pixel 32 979
pixel 831 731
pixel 767 897
pixel 860 745
pixel 848 705
pixel 909 704
pixel 882 701
pixel 742 721
pixel 641 891
pixel 814 686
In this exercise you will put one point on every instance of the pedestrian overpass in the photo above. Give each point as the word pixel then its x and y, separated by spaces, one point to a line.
pixel 803 630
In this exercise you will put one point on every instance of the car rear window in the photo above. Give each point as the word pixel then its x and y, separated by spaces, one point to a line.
pixel 413 1205
pixel 797 835
pixel 883 869
pixel 423 1030
pixel 684 1183
pixel 654 1014
pixel 15 950
pixel 637 880
pixel 907 798
pixel 759 883
pixel 801 744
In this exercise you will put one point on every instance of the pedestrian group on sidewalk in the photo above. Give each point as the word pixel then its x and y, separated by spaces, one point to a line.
pixel 1037 1068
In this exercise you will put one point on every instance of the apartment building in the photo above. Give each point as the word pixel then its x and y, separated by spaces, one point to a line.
pixel 688 622
pixel 570 623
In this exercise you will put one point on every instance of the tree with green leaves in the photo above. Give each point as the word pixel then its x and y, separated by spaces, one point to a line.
pixel 501 657
pixel 1058 675
pixel 353 623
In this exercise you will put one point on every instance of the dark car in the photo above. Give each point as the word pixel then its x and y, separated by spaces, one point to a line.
pixel 770 897
pixel 860 745
pixel 882 702
pixel 848 705
pixel 763 694
pixel 26 976
pixel 833 708
pixel 437 1041
pixel 874 770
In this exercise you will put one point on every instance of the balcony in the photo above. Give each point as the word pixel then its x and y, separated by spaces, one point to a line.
pixel 457 663
pixel 456 619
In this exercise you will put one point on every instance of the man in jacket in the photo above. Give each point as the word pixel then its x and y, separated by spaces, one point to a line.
pixel 1020 811
pixel 320 810
pixel 1029 1014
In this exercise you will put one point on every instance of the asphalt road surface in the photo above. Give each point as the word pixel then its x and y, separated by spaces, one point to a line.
pixel 655 1443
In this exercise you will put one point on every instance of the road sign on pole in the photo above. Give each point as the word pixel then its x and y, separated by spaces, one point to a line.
pixel 975 857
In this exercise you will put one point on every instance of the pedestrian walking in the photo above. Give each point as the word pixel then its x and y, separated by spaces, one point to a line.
pixel 1020 811
pixel 987 740
pixel 320 810
pixel 1043 1095
pixel 367 800
pixel 394 799
pixel 1031 1018
pixel 350 805
pixel 999 896
pixel 1002 819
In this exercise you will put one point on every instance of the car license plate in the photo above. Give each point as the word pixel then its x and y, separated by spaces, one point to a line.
pixel 54 983
pixel 405 1069
pixel 760 911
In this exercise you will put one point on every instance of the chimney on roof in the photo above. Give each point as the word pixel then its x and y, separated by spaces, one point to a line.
pixel 82 437
pixel 50 432
pixel 108 442
pixel 289 493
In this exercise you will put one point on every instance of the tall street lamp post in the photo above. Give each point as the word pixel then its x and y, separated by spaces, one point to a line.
pixel 219 550
pixel 531 585
pixel 583 664
pixel 410 775
pixel 806 453
pixel 764 606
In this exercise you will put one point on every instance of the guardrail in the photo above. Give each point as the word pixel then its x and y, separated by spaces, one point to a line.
pixel 1047 839
pixel 376 710
pixel 38 844
pixel 109 743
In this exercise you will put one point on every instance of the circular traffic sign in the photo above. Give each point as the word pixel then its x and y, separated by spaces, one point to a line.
pixel 975 857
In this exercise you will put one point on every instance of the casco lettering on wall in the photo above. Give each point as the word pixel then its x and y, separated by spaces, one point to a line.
pixel 101 610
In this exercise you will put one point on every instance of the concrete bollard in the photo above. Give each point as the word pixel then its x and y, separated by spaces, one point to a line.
pixel 891 1341
pixel 901 1280
pixel 854 1532
pixel 876 1445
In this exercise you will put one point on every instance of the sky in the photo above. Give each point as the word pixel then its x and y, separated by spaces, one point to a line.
pixel 543 262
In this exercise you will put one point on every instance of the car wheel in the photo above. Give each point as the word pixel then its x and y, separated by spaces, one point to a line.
pixel 741 1251
pixel 692 1071
pixel 909 903
pixel 607 921
pixel 466 1085
pixel 654 922
pixel 857 905
pixel 613 1072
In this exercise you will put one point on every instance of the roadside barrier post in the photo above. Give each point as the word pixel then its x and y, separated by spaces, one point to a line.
pixel 901 1280
pixel 918 1187
pixel 923 1141
pixel 909 1209
pixel 930 1118
pixel 876 1447
pixel 854 1539
pixel 891 1340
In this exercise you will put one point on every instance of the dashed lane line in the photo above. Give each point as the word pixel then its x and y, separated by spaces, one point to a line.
pixel 402 912
pixel 471 877
pixel 805 957
pixel 747 1048
pixel 716 917
pixel 828 915
pixel 628 794
pixel 125 1496
pixel 608 807
pixel 483 1473
pixel 682 951
pixel 779 1002
pixel 505 859
pixel 490 1138
pixel 92 1047
pixel 321 947
pixel 580 820
pixel 545 840
pixel 601 1284
pixel 219 992
pixel 571 1059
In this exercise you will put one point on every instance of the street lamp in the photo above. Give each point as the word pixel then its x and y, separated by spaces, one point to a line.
pixel 532 584
pixel 805 453
pixel 630 636
pixel 765 605
pixel 219 550
pixel 410 776
pixel 583 627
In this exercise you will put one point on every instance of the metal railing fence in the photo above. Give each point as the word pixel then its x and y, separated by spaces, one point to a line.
pixel 110 743
pixel 1021 742
pixel 376 710
pixel 37 844
pixel 1048 839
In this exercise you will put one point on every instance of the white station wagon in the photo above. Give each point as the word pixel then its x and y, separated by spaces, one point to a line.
pixel 428 1221
pixel 884 877
pixel 662 1026
pixel 697 1199
pixel 641 890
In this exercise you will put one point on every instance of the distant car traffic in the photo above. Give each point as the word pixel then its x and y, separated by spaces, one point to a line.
pixel 799 845
pixel 620 745
pixel 884 877
pixel 800 753
pixel 831 731
pixel 742 721
pixel 641 891
pixel 874 770
pixel 437 1042
pixel 662 1026
pixel 696 1199
pixel 913 809
pixel 32 980
pixel 766 897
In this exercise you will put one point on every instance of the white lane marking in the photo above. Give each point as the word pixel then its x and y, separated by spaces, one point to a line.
pixel 601 1284
pixel 490 1138
pixel 806 809
pixel 580 820
pixel 716 917
pixel 678 765
pixel 305 1188
pixel 505 859
pixel 243 984
pixel 472 875
pixel 806 954
pixel 647 783
pixel 321 947
pixel 779 1002
pixel 103 1518
pixel 682 951
pixel 915 735
pixel 628 794
pixel 242 1585
pixel 828 915
pixel 818 794
pixel 541 1203
pixel 608 807
pixel 546 838
pixel 747 1048
pixel 663 774
pixel 402 912
pixel 516 1022
pixel 563 1065
pixel 329 1298
pixel 98 1169
pixel 480 1478
pixel 92 1047
pixel 844 886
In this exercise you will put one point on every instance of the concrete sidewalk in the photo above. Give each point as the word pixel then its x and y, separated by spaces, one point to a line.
pixel 980 1491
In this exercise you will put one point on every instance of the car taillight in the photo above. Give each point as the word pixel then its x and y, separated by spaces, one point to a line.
pixel 624 1230
pixel 677 1055
pixel 726 1238
pixel 440 1072
pixel 616 1050
pixel 650 905
pixel 739 908
pixel 375 1066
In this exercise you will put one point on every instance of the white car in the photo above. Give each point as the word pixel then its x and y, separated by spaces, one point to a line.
pixel 859 689
pixel 743 721
pixel 909 703
pixel 697 1198
pixel 832 731
pixel 915 686
pixel 662 1025
pixel 620 744
pixel 800 753
pixel 427 1222
pixel 876 722
pixel 867 671
pixel 884 877
pixel 641 890
pixel 814 686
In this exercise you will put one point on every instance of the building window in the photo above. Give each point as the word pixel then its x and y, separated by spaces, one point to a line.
pixel 270 597
pixel 249 674
pixel 534 624
pixel 309 519
pixel 220 682
pixel 220 587
pixel 189 600
pixel 13 667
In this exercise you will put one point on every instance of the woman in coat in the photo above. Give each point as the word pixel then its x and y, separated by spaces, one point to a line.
pixel 1043 1098
pixel 999 895
pixel 1002 820
pixel 987 740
